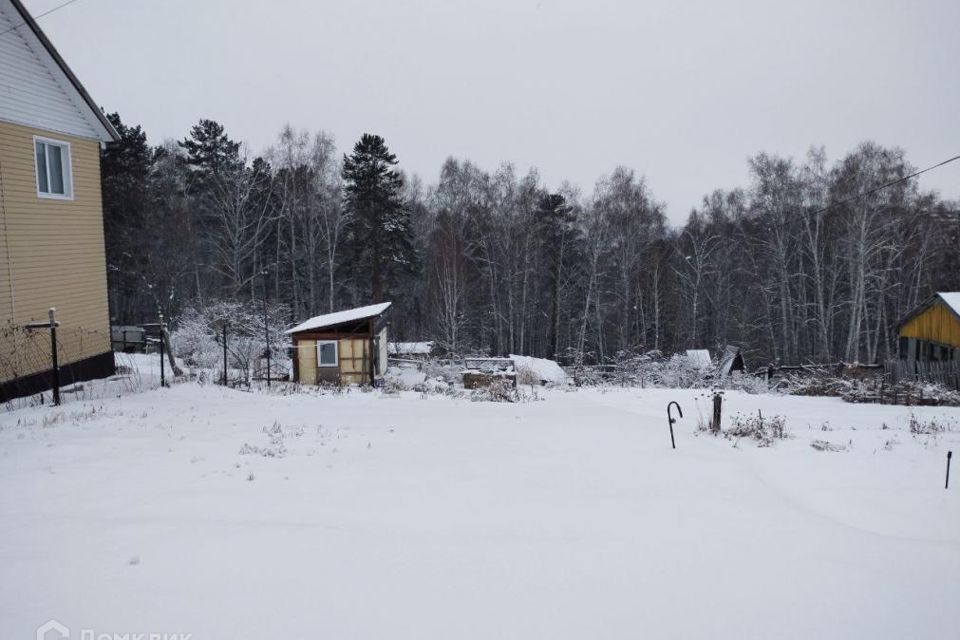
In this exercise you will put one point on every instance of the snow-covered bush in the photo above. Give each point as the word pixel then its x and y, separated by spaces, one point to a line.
pixel 198 338
pixel 676 372
pixel 755 427
pixel 930 427
pixel 874 389
pixel 276 435
pixel 195 342
pixel 825 445
pixel 738 381
pixel 496 391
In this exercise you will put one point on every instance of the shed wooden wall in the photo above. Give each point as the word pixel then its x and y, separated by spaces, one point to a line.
pixel 51 255
pixel 354 367
pixel 935 324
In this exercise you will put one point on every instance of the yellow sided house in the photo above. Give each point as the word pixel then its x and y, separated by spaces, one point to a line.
pixel 346 347
pixel 51 215
pixel 929 341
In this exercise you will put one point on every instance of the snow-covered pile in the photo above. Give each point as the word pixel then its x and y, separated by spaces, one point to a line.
pixel 409 378
pixel 538 371
pixel 405 378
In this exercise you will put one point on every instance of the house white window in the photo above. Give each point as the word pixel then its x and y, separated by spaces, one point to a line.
pixel 327 355
pixel 54 170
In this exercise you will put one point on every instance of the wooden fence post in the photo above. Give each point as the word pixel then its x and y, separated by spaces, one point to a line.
pixel 717 407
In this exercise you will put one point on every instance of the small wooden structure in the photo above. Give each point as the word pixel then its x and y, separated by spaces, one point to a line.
pixel 929 341
pixel 732 360
pixel 342 348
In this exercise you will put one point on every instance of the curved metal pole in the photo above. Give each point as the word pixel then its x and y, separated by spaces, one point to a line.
pixel 671 420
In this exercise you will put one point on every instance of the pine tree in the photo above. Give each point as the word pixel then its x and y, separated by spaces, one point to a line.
pixel 210 150
pixel 124 168
pixel 555 228
pixel 380 233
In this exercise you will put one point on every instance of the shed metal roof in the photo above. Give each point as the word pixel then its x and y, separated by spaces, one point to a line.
pixel 341 317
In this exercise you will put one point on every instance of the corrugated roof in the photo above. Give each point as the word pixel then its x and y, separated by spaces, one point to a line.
pixel 341 317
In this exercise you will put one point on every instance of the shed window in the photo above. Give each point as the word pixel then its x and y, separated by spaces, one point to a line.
pixel 54 172
pixel 327 353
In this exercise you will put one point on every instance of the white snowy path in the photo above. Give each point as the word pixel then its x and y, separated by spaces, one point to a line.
pixel 406 517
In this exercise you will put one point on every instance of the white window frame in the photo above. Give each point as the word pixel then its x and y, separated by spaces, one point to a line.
pixel 66 156
pixel 336 353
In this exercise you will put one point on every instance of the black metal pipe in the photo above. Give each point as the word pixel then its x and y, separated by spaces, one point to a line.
pixel 947 483
pixel 671 420
pixel 163 381
pixel 55 361
pixel 266 318
pixel 224 354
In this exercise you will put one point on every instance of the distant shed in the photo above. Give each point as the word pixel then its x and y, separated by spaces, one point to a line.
pixel 732 360
pixel 932 331
pixel 345 347
pixel 929 340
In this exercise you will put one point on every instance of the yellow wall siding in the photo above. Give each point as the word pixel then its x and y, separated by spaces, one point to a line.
pixel 307 361
pixel 354 361
pixel 937 324
pixel 51 255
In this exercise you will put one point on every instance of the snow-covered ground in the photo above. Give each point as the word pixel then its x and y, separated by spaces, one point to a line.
pixel 234 515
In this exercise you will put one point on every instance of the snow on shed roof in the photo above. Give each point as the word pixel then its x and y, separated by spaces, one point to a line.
pixel 699 358
pixel 341 317
pixel 951 299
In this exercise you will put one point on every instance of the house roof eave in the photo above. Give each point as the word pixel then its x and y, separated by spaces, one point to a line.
pixel 109 131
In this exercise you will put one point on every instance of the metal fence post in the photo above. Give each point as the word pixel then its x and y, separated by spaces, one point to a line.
pixel 266 319
pixel 52 314
pixel 224 354
pixel 163 381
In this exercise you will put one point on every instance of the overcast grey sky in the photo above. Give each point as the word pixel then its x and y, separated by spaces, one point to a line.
pixel 683 92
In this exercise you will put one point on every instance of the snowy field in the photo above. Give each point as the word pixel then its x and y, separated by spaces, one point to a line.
pixel 368 515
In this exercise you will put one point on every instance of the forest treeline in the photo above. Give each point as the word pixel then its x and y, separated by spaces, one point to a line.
pixel 796 266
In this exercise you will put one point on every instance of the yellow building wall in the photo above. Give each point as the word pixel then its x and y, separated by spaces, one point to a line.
pixel 307 361
pixel 355 359
pixel 937 324
pixel 51 255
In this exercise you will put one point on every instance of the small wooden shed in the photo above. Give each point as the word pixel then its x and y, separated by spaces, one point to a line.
pixel 929 343
pixel 345 347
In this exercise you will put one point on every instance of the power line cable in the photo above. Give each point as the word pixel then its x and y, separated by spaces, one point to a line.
pixel 37 17
pixel 884 186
